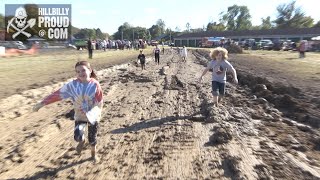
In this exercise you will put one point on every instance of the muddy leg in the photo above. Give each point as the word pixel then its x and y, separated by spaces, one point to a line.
pixel 94 157
pixel 215 101
pixel 220 98
pixel 92 136
pixel 93 151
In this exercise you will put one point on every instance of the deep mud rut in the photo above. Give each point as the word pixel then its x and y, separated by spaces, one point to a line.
pixel 161 124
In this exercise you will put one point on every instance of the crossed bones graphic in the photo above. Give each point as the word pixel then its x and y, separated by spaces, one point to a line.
pixel 30 23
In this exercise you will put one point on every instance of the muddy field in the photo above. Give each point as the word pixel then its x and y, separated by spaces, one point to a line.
pixel 161 124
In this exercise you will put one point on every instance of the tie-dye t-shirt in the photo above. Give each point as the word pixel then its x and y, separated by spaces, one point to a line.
pixel 87 99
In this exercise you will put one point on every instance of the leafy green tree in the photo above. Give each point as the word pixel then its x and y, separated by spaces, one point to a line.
pixel 317 24
pixel 82 34
pixel 237 18
pixel 92 33
pixel 123 32
pixel 155 31
pixel 305 22
pixel 255 28
pixel 266 23
pixel 74 30
pixel 86 33
pixel 161 24
pixel 215 27
pixel 291 17
pixel 141 33
pixel 99 34
pixel 126 31
pixel 169 34
pixel 2 24
pixel 197 30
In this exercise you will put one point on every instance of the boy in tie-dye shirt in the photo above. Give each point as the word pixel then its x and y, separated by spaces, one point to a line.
pixel 87 97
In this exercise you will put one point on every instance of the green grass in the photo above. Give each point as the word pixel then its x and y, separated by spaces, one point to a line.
pixel 21 73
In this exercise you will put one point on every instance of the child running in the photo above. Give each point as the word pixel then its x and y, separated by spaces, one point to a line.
pixel 87 97
pixel 184 54
pixel 142 59
pixel 219 65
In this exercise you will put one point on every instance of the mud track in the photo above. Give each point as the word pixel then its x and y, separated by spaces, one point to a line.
pixel 161 124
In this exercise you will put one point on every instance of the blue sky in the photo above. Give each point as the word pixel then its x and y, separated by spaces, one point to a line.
pixel 109 15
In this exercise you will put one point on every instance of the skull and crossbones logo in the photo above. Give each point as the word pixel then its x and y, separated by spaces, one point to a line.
pixel 21 22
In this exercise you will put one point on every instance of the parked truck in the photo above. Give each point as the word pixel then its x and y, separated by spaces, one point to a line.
pixel 80 43
pixel 210 41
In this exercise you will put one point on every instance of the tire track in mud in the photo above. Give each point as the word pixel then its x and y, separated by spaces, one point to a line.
pixel 268 117
pixel 149 151
pixel 124 131
pixel 39 140
pixel 20 152
pixel 155 133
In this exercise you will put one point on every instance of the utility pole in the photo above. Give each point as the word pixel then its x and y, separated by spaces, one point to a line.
pixel 132 35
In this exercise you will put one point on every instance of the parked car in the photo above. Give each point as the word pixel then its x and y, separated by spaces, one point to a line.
pixel 249 43
pixel 154 42
pixel 287 45
pixel 13 44
pixel 266 44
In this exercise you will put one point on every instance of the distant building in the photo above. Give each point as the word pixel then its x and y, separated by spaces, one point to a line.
pixel 193 39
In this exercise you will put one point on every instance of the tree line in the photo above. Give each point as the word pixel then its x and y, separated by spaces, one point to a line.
pixel 236 18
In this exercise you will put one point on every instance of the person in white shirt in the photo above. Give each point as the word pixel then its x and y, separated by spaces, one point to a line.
pixel 184 54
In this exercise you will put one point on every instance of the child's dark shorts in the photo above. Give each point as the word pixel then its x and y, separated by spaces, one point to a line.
pixel 218 88
pixel 79 131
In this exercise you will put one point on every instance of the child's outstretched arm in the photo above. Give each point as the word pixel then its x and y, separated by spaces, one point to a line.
pixel 233 71
pixel 37 106
pixel 203 73
pixel 234 74
pixel 58 95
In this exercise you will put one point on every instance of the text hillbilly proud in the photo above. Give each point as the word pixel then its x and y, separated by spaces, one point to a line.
pixel 56 21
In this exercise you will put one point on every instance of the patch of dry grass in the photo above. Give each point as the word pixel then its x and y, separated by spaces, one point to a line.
pixel 24 72
pixel 288 61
